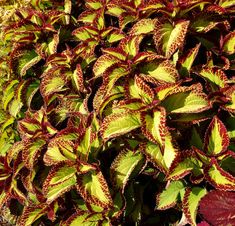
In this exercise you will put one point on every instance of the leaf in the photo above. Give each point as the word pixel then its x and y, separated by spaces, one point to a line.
pixel 186 102
pixel 217 207
pixel 140 89
pixel 219 178
pixel 60 180
pixel 168 38
pixel 191 201
pixel 130 45
pixel 229 43
pixel 103 63
pixel 154 128
pixel 30 215
pixel 168 198
pixel 182 166
pixel 31 152
pixel 143 26
pixel 214 76
pixel 126 165
pixel 93 188
pixel 216 138
pixel 120 123
pixel 164 71
pixel 185 62
pixel 84 218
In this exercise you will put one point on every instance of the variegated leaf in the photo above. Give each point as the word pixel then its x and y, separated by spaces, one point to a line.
pixel 144 26
pixel 93 187
pixel 154 127
pixel 123 167
pixel 229 43
pixel 216 138
pixel 191 201
pixel 185 62
pixel 168 38
pixel 219 178
pixel 163 71
pixel 120 123
pixel 60 180
pixel 170 195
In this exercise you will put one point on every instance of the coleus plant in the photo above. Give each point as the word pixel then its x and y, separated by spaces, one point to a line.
pixel 105 105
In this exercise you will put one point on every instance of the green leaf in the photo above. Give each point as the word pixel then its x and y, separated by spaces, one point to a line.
pixel 191 201
pixel 30 215
pixel 216 138
pixel 93 187
pixel 229 43
pixel 31 152
pixel 143 26
pixel 60 180
pixel 103 63
pixel 214 76
pixel 154 127
pixel 126 165
pixel 186 102
pixel 26 61
pixel 163 71
pixel 168 198
pixel 118 124
pixel 185 62
pixel 219 178
pixel 168 38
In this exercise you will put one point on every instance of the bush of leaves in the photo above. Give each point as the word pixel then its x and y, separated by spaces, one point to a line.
pixel 117 112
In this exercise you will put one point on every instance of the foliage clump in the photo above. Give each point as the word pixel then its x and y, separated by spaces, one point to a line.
pixel 117 112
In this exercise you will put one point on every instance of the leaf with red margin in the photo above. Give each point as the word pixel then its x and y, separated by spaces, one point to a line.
pixel 144 26
pixel 87 16
pixel 61 148
pixel 103 63
pixel 94 189
pixel 78 79
pixel 186 101
pixel 87 219
pixel 216 138
pixel 60 180
pixel 154 127
pixel 185 61
pixel 184 164
pixel 31 151
pixel 130 45
pixel 168 38
pixel 217 208
pixel 170 195
pixel 123 167
pixel 163 71
pixel 115 35
pixel 229 43
pixel 216 77
pixel 138 88
pixel 191 201
pixel 116 52
pixel 118 124
pixel 31 214
pixel 218 177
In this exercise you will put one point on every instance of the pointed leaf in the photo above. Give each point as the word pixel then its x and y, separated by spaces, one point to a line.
pixel 168 198
pixel 118 124
pixel 191 201
pixel 169 38
pixel 93 187
pixel 216 138
pixel 60 180
pixel 143 26
pixel 164 71
pixel 154 128
pixel 219 178
pixel 229 43
pixel 123 167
